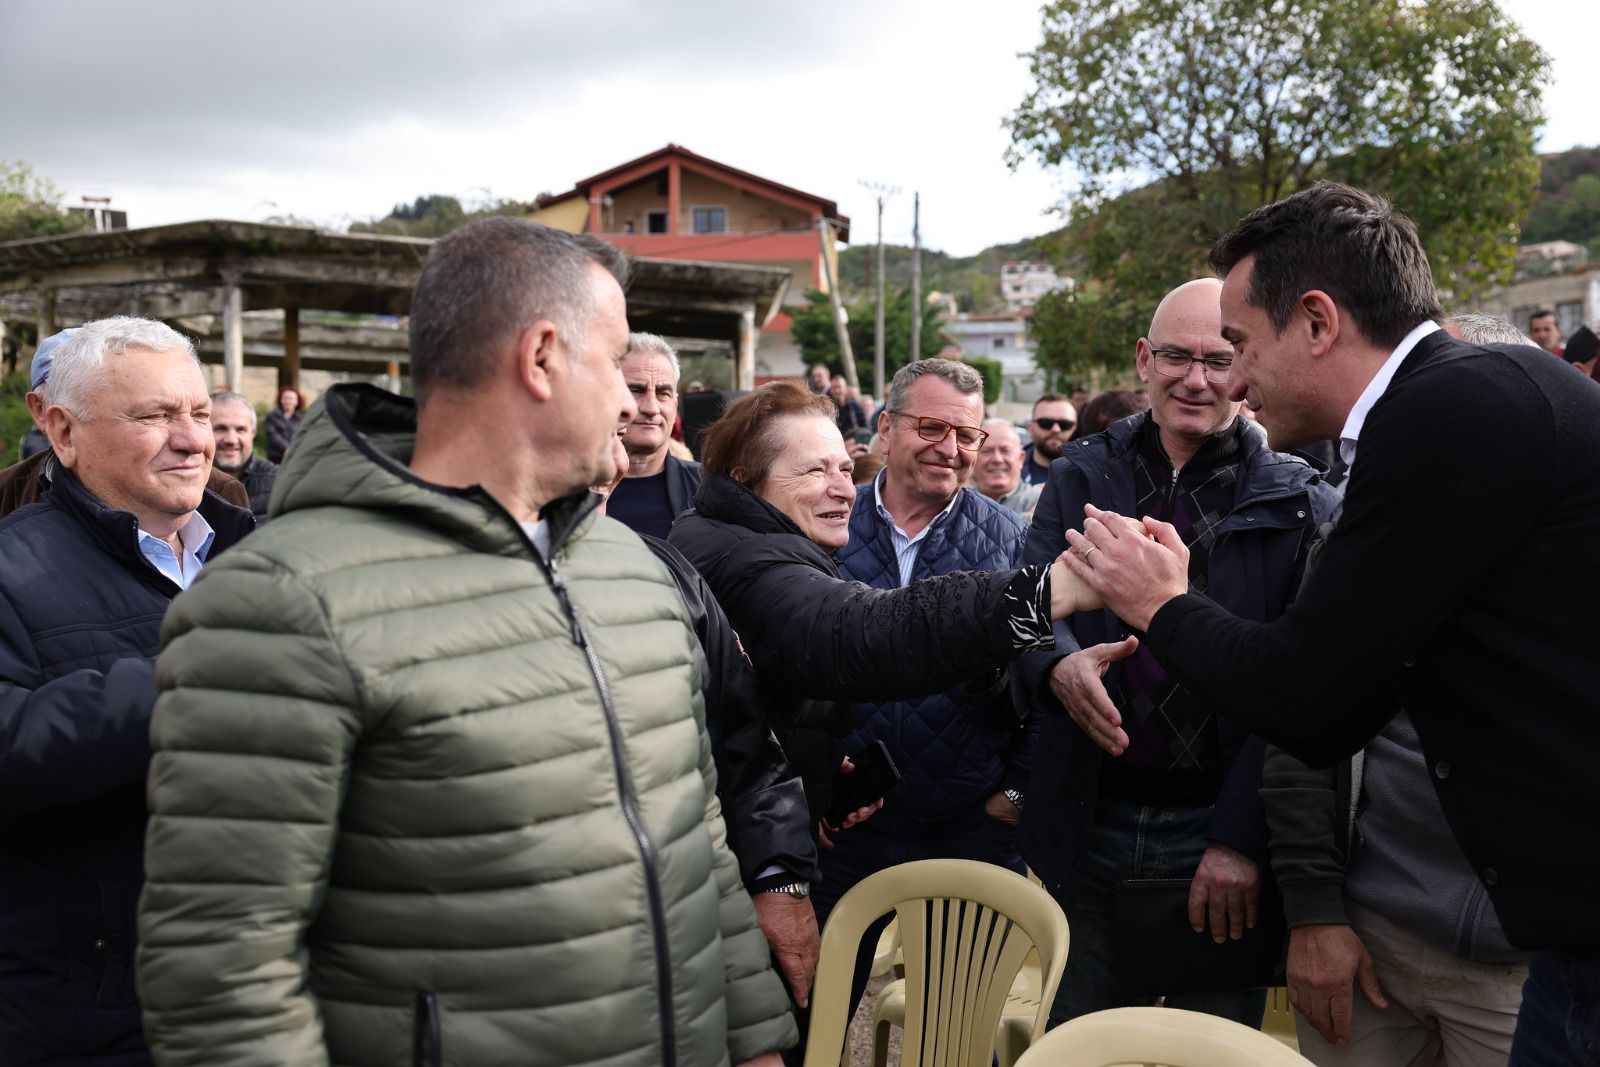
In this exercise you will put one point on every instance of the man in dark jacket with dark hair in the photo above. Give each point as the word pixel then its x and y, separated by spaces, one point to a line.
pixel 1178 796
pixel 1482 629
pixel 125 523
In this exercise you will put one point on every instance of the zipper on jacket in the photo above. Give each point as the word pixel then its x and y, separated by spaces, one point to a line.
pixel 427 1039
pixel 1172 495
pixel 630 814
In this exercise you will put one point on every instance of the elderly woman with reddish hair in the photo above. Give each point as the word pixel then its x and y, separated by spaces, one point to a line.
pixel 774 507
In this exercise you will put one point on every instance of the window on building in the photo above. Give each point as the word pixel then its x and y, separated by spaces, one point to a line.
pixel 1569 317
pixel 999 342
pixel 655 222
pixel 709 219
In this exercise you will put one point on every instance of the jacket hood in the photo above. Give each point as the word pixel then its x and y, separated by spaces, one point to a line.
pixel 353 450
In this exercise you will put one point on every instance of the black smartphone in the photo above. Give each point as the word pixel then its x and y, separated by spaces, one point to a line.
pixel 862 437
pixel 875 775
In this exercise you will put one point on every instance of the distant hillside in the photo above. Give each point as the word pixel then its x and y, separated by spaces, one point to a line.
pixel 1568 209
pixel 975 280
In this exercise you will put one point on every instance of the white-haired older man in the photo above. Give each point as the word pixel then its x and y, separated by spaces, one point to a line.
pixel 125 523
pixel 998 472
pixel 659 485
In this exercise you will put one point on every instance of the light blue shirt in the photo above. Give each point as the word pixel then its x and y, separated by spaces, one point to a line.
pixel 906 547
pixel 195 537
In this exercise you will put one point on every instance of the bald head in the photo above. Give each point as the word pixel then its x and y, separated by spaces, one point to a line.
pixel 1196 303
pixel 1184 351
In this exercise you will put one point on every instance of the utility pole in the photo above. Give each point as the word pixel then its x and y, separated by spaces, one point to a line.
pixel 883 192
pixel 916 277
pixel 846 356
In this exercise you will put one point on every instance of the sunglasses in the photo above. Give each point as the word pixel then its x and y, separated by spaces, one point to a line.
pixel 1054 424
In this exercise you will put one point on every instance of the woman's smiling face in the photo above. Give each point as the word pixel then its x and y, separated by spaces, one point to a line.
pixel 809 480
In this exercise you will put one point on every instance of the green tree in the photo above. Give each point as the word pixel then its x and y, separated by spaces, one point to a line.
pixel 813 331
pixel 30 206
pixel 1224 105
pixel 434 216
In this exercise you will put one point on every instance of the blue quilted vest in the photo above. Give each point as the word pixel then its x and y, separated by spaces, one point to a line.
pixel 954 749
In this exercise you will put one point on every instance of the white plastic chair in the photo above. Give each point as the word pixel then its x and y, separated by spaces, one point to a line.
pixel 1168 1037
pixel 965 929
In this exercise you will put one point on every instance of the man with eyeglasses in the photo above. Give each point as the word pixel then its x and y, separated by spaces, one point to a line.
pixel 1142 778
pixel 1051 427
pixel 963 755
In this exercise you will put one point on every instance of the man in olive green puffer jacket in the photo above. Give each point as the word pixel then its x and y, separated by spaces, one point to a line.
pixel 431 780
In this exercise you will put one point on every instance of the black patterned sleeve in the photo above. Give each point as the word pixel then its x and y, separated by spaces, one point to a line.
pixel 1027 600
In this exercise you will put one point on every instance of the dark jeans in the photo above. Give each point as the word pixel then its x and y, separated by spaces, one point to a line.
pixel 864 849
pixel 1131 841
pixel 1559 1025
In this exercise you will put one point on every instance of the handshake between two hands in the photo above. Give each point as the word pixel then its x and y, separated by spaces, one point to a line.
pixel 1132 566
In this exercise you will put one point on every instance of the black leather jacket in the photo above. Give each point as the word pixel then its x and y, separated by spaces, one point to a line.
pixel 763 799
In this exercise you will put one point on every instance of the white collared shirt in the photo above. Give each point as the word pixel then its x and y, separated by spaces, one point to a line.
pixel 195 537
pixel 1374 392
pixel 906 547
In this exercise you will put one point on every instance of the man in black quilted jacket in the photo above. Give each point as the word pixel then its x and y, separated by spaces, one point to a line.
pixel 90 569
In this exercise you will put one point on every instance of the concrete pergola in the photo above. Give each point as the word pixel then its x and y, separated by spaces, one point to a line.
pixel 225 269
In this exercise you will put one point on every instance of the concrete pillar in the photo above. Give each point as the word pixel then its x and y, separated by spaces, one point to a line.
pixel 232 330
pixel 674 197
pixel 289 372
pixel 744 369
pixel 47 313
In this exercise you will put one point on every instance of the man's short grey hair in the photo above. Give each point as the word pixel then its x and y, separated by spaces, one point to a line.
pixel 996 424
pixel 1480 329
pixel 79 359
pixel 228 396
pixel 654 342
pixel 964 378
pixel 483 284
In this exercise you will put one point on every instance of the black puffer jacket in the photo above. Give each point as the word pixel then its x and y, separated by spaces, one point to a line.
pixel 258 477
pixel 80 620
pixel 817 639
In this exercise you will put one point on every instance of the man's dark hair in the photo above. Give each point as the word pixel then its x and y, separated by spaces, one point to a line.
pixel 1106 408
pixel 1542 313
pixel 484 283
pixel 1048 398
pixel 1350 244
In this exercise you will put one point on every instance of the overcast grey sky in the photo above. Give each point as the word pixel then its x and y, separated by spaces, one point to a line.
pixel 337 109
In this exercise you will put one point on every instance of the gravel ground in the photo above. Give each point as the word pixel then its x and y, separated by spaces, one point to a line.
pixel 859 1039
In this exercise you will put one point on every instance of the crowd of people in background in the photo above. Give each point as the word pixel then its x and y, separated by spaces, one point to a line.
pixel 491 726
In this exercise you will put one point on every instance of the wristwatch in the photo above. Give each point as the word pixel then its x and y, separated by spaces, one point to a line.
pixel 798 890
pixel 1015 796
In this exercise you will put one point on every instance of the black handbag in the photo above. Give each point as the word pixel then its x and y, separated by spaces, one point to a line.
pixel 1159 953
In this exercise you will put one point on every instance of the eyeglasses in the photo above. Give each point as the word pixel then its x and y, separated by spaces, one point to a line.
pixel 968 438
pixel 1052 424
pixel 1175 364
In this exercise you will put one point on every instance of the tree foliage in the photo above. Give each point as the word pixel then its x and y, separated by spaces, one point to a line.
pixel 1569 200
pixel 813 331
pixel 1219 106
pixel 434 216
pixel 30 206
